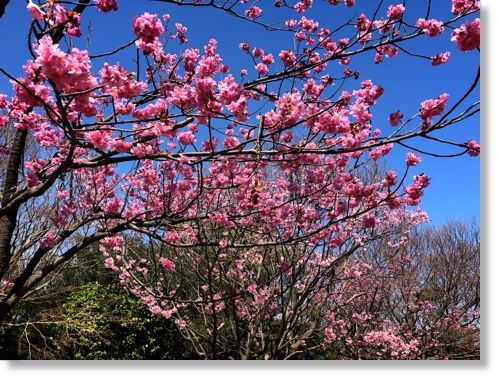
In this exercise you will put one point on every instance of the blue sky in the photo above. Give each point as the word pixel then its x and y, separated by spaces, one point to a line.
pixel 454 190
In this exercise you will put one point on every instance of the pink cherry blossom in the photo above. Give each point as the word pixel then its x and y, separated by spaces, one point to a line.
pixel 431 27
pixel 245 47
pixel 288 57
pixel 32 179
pixel 253 12
pixel 380 151
pixel 119 83
pixel 395 12
pixel 181 32
pixel 167 264
pixel 290 23
pixel 468 35
pixel 106 5
pixel 440 58
pixel 303 5
pixel 412 159
pixel 147 28
pixel 35 11
pixel 69 72
pixel 474 148
pixel 433 107
pixel 186 137
pixel 121 146
pixel 262 68
pixel 464 6
pixel 99 139
pixel 414 192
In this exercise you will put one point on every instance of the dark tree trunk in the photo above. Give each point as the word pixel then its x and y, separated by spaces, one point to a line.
pixel 8 221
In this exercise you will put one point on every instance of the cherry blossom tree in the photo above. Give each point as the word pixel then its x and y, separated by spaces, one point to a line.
pixel 251 187
pixel 416 300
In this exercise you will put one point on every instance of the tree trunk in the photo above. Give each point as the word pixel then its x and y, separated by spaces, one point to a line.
pixel 8 221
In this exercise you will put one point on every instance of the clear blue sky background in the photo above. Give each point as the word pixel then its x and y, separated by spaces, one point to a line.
pixel 454 190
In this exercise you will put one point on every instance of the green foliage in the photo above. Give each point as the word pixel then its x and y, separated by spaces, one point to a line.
pixel 83 313
pixel 103 322
pixel 95 322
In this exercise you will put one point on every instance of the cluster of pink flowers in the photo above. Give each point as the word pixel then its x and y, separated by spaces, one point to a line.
pixel 310 32
pixel 4 119
pixel 432 27
pixel 7 283
pixel 412 159
pixel 106 5
pixel 167 264
pixel 265 60
pixel 303 5
pixel 35 11
pixel 245 47
pixel 69 72
pixel 440 58
pixel 186 137
pixel 468 36
pixel 253 12
pixel 58 15
pixel 66 70
pixel 380 151
pixel 390 178
pixel 30 92
pixel 262 68
pixel 464 6
pixel 288 57
pixel 119 83
pixel 99 139
pixel 474 148
pixel 414 191
pixel 363 23
pixel 33 168
pixel 395 12
pixel 387 50
pixel 348 3
pixel 181 32
pixel 289 108
pixel 147 28
pixel 389 342
pixel 432 107
pixel 230 142
pixel 216 306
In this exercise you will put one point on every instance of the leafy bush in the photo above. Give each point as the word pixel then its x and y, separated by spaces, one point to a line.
pixel 100 322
